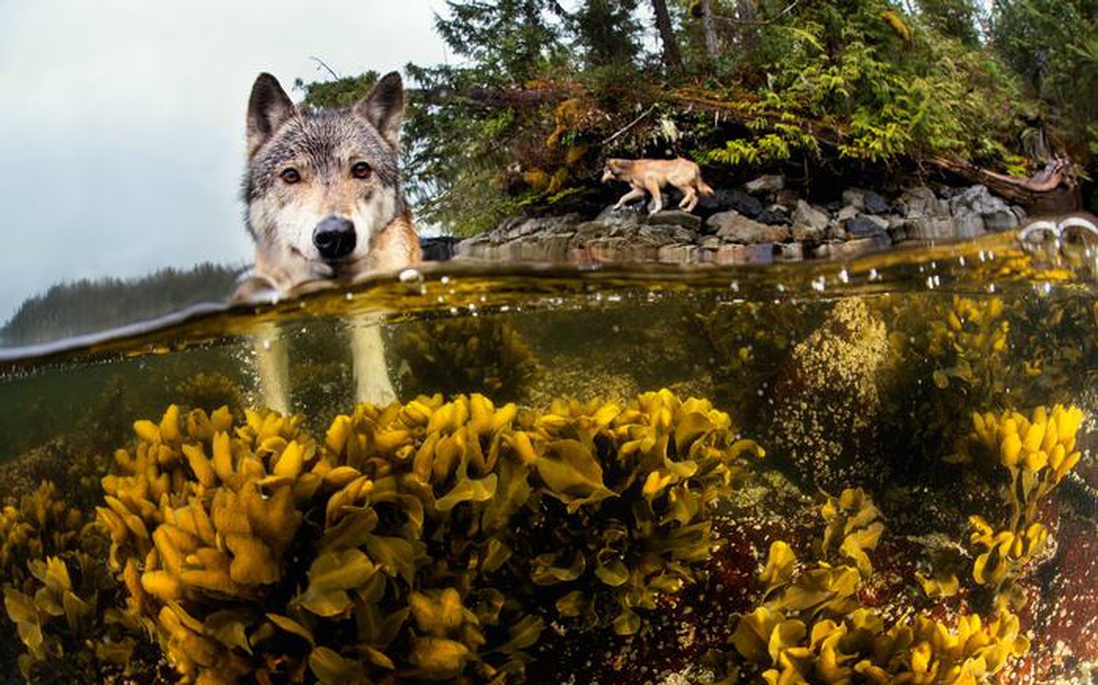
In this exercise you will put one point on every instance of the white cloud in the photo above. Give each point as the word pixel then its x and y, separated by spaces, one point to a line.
pixel 121 133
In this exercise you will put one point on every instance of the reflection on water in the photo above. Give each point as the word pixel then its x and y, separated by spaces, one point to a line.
pixel 602 528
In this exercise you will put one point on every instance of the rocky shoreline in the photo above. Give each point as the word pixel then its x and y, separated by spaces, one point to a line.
pixel 760 222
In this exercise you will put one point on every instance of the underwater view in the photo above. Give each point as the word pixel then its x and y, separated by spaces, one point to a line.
pixel 877 471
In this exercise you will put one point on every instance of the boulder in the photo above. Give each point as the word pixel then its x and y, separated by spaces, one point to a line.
pixel 745 204
pixel 735 253
pixel 920 202
pixel 674 217
pixel 765 184
pixel 666 234
pixel 875 204
pixel 683 253
pixel 774 215
pixel 972 207
pixel 809 223
pixel 866 201
pixel 862 226
pixel 734 227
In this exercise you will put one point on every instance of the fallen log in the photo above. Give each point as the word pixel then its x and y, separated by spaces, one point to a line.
pixel 1052 190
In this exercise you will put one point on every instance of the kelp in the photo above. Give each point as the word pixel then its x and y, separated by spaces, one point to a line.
pixel 1037 452
pixel 58 595
pixel 811 625
pixel 426 541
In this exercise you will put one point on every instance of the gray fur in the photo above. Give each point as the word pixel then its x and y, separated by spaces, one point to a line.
pixel 322 145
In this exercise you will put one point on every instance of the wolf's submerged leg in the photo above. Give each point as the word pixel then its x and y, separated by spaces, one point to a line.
pixel 273 366
pixel 372 382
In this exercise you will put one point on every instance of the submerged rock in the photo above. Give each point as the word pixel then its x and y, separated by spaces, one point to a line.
pixel 827 403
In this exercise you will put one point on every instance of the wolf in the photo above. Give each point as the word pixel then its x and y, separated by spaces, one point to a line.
pixel 324 202
pixel 651 174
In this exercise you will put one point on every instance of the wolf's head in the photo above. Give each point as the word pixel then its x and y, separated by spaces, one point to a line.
pixel 321 184
pixel 614 169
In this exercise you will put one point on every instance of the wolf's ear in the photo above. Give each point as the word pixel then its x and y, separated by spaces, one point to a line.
pixel 383 107
pixel 268 108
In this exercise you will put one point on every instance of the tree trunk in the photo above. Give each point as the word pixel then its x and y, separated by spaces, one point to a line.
pixel 671 56
pixel 749 32
pixel 709 27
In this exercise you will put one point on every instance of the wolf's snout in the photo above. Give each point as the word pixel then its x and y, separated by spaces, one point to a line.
pixel 334 238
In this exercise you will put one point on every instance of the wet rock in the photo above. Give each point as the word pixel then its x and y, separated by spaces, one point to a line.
pixel 774 215
pixel 922 228
pixel 846 213
pixel 971 205
pixel 674 217
pixel 659 235
pixel 745 204
pixel 736 253
pixel 921 202
pixel 866 201
pixel 856 247
pixel 765 184
pixel 827 403
pixel 539 226
pixel 875 204
pixel 862 226
pixel 735 227
pixel 626 216
pixel 854 197
pixel 791 252
pixel 809 223
pixel 787 197
pixel 688 253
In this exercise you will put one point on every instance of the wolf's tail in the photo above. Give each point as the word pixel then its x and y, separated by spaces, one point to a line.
pixel 703 187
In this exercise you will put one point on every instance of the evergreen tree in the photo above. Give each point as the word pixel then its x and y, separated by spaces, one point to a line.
pixel 953 18
pixel 507 40
pixel 606 32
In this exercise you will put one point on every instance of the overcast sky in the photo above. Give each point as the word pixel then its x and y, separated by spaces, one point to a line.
pixel 122 125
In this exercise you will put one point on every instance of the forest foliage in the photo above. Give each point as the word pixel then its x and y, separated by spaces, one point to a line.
pixel 537 93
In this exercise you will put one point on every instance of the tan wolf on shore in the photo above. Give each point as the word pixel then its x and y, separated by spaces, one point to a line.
pixel 324 202
pixel 652 174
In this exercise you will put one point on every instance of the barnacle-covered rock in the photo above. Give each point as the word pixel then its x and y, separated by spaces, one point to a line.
pixel 751 344
pixel 826 413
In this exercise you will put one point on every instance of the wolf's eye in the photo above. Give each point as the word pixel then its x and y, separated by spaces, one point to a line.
pixel 290 175
pixel 361 170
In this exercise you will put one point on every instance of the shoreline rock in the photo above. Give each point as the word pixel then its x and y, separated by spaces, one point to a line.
pixel 761 222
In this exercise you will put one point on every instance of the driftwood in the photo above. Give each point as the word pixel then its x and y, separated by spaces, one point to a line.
pixel 1052 189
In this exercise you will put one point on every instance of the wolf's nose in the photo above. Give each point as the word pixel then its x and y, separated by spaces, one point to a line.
pixel 334 237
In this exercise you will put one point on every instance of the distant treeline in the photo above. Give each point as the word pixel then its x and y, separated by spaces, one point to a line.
pixel 86 306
